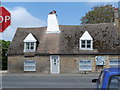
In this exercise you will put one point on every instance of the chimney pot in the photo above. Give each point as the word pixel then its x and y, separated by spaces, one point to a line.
pixel 53 11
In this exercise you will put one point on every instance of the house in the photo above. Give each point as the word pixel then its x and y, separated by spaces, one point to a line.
pixel 57 49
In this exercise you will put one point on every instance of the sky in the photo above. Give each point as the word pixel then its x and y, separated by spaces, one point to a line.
pixel 34 14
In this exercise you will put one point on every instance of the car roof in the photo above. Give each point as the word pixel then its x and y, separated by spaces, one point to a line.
pixel 112 71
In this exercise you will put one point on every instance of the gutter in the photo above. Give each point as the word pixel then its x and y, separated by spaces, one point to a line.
pixel 46 54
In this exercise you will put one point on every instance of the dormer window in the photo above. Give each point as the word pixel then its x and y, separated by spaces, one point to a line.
pixel 86 42
pixel 30 43
pixel 29 46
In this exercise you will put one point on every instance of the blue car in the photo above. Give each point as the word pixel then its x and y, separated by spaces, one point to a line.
pixel 109 79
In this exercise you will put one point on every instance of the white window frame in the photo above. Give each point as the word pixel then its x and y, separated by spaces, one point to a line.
pixel 29 65
pixel 115 63
pixel 29 50
pixel 85 64
pixel 86 48
pixel 86 36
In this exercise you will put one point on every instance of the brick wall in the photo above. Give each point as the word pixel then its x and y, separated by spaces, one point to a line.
pixel 16 64
pixel 68 63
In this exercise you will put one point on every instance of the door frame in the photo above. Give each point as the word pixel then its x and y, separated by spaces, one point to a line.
pixel 51 69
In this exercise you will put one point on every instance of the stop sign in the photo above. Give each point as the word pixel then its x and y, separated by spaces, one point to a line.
pixel 5 18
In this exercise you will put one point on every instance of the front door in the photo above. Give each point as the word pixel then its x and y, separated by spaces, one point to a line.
pixel 54 64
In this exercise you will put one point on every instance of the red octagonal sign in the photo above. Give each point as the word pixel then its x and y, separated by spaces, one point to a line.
pixel 5 19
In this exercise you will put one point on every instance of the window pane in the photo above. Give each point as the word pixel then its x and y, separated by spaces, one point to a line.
pixel 32 46
pixel 54 56
pixel 88 46
pixel 115 63
pixel 29 65
pixel 27 46
pixel 81 61
pixel 83 42
pixel 114 82
pixel 85 65
pixel 32 43
pixel 83 46
pixel 55 61
pixel 88 43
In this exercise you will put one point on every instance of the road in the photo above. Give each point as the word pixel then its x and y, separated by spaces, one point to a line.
pixel 0 80
pixel 48 81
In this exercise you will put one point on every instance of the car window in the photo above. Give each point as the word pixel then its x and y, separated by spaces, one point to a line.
pixel 114 82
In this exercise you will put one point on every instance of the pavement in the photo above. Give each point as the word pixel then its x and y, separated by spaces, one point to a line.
pixel 2 72
pixel 48 80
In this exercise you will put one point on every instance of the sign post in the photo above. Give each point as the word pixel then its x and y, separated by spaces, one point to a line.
pixel 5 18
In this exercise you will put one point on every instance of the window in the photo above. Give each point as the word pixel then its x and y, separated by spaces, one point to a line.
pixel 114 83
pixel 114 63
pixel 30 43
pixel 86 41
pixel 85 65
pixel 86 44
pixel 55 59
pixel 30 46
pixel 29 65
pixel 83 43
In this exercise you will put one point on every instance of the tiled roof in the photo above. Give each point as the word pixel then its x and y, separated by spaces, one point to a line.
pixel 106 39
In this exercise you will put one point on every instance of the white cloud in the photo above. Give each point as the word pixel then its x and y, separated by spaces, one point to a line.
pixel 20 17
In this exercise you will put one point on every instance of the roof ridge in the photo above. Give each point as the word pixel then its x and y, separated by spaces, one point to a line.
pixel 87 24
pixel 31 27
pixel 63 25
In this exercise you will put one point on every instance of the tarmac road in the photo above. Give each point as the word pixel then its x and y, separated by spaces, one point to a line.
pixel 48 81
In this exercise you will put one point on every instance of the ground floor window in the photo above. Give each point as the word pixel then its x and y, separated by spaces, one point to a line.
pixel 114 63
pixel 29 65
pixel 85 65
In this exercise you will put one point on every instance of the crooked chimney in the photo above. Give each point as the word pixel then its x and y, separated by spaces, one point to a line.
pixel 117 18
pixel 53 26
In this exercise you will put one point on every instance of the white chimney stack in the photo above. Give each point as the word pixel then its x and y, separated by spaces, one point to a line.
pixel 53 26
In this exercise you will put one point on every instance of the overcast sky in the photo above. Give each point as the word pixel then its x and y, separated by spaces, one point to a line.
pixel 34 14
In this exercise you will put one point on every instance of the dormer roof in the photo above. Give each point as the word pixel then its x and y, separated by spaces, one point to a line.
pixel 86 36
pixel 30 38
